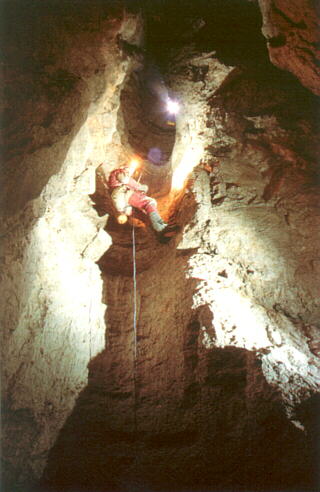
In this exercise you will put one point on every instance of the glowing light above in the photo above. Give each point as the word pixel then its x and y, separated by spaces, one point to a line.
pixel 173 107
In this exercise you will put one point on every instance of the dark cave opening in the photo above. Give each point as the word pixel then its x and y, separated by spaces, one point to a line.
pixel 203 27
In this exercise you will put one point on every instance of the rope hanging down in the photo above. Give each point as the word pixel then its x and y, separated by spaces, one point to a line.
pixel 135 421
pixel 134 292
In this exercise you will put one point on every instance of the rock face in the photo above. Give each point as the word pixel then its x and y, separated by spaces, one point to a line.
pixel 216 384
pixel 61 107
pixel 226 313
pixel 292 32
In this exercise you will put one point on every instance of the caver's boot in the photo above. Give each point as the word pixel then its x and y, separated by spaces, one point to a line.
pixel 168 232
pixel 156 221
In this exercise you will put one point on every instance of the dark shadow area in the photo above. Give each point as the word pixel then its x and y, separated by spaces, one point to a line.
pixel 230 27
pixel 232 438
pixel 254 92
pixel 308 413
pixel 271 92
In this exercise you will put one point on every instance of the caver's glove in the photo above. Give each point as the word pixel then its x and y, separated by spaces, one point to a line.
pixel 143 188
pixel 128 210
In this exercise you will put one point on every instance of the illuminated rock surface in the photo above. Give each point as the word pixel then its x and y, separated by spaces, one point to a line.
pixel 223 392
pixel 63 104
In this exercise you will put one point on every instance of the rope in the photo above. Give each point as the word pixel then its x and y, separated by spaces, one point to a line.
pixel 134 293
pixel 90 312
pixel 135 421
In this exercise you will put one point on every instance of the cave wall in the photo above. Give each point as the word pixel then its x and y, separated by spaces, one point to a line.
pixel 258 204
pixel 227 312
pixel 64 70
pixel 256 229
pixel 187 412
pixel 291 29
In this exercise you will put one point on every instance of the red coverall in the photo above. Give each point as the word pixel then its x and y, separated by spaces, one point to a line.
pixel 126 192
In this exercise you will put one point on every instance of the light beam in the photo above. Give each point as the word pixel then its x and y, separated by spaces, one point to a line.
pixel 189 161
pixel 134 163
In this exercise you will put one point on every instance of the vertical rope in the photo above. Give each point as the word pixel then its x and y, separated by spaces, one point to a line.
pixel 90 311
pixel 135 422
pixel 134 293
pixel 135 350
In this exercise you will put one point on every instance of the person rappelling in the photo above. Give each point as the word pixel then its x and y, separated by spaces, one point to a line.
pixel 127 193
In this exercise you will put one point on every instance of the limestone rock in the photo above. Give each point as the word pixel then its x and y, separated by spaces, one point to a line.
pixel 291 29
pixel 204 390
pixel 53 315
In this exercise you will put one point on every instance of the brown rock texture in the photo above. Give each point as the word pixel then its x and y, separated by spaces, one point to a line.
pixel 62 94
pixel 226 313
pixel 184 414
pixel 291 28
